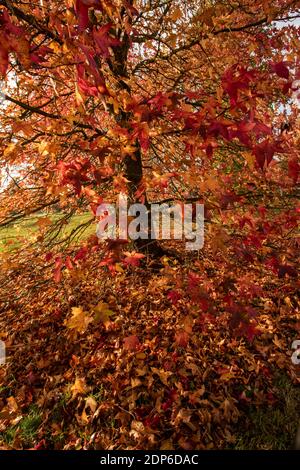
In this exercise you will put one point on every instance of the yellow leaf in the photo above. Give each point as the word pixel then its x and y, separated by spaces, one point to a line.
pixel 103 312
pixel 12 404
pixel 135 382
pixel 9 149
pixel 212 183
pixel 162 374
pixel 119 268
pixel 79 320
pixel 250 159
pixel 129 149
pixel 70 118
pixel 79 387
pixel 227 376
pixel 91 403
pixel 43 148
pixel 141 356
pixel 79 99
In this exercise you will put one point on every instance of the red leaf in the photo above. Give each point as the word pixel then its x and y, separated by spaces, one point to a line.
pixel 141 132
pixel 81 254
pixel 103 40
pixel 182 338
pixel 3 59
pixel 133 258
pixel 86 88
pixel 294 169
pixel 264 153
pixel 281 70
pixel 131 343
pixel 174 296
pixel 69 264
pixel 48 256
pixel 82 12
pixel 57 269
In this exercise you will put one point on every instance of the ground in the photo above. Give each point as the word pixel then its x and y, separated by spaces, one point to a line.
pixel 106 360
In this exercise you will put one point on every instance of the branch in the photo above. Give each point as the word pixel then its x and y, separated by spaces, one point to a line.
pixel 31 20
pixel 35 110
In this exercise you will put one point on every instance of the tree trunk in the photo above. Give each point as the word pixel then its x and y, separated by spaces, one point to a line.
pixel 133 163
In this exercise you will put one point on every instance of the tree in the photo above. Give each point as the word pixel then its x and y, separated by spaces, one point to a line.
pixel 165 100
pixel 161 100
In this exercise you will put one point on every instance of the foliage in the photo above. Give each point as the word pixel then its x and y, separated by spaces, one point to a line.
pixel 164 101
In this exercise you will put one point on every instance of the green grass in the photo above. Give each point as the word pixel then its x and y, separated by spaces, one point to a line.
pixel 273 427
pixel 29 426
pixel 26 429
pixel 28 229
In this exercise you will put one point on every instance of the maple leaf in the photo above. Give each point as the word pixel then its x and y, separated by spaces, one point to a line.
pixel 79 321
pixel 163 375
pixel 58 268
pixel 264 153
pixel 12 404
pixel 3 55
pixel 104 40
pixel 79 387
pixel 182 338
pixel 235 79
pixel 82 12
pixel 87 88
pixel 131 343
pixel 43 222
pixel 91 403
pixel 294 169
pixel 133 258
pixel 102 312
pixel 281 69
pixel 68 263
pixel 141 132
pixel 174 296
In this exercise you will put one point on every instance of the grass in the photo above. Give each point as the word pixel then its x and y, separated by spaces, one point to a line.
pixel 26 429
pixel 274 427
pixel 28 229
pixel 98 394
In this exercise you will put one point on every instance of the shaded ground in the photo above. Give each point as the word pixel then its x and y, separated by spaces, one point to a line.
pixel 141 369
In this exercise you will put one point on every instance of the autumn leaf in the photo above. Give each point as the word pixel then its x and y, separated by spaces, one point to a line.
pixel 104 40
pixel 164 375
pixel 79 321
pixel 43 222
pixel 79 387
pixel 182 338
pixel 102 312
pixel 131 343
pixel 12 404
pixel 91 403
pixel 133 258
pixel 176 14
pixel 281 69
